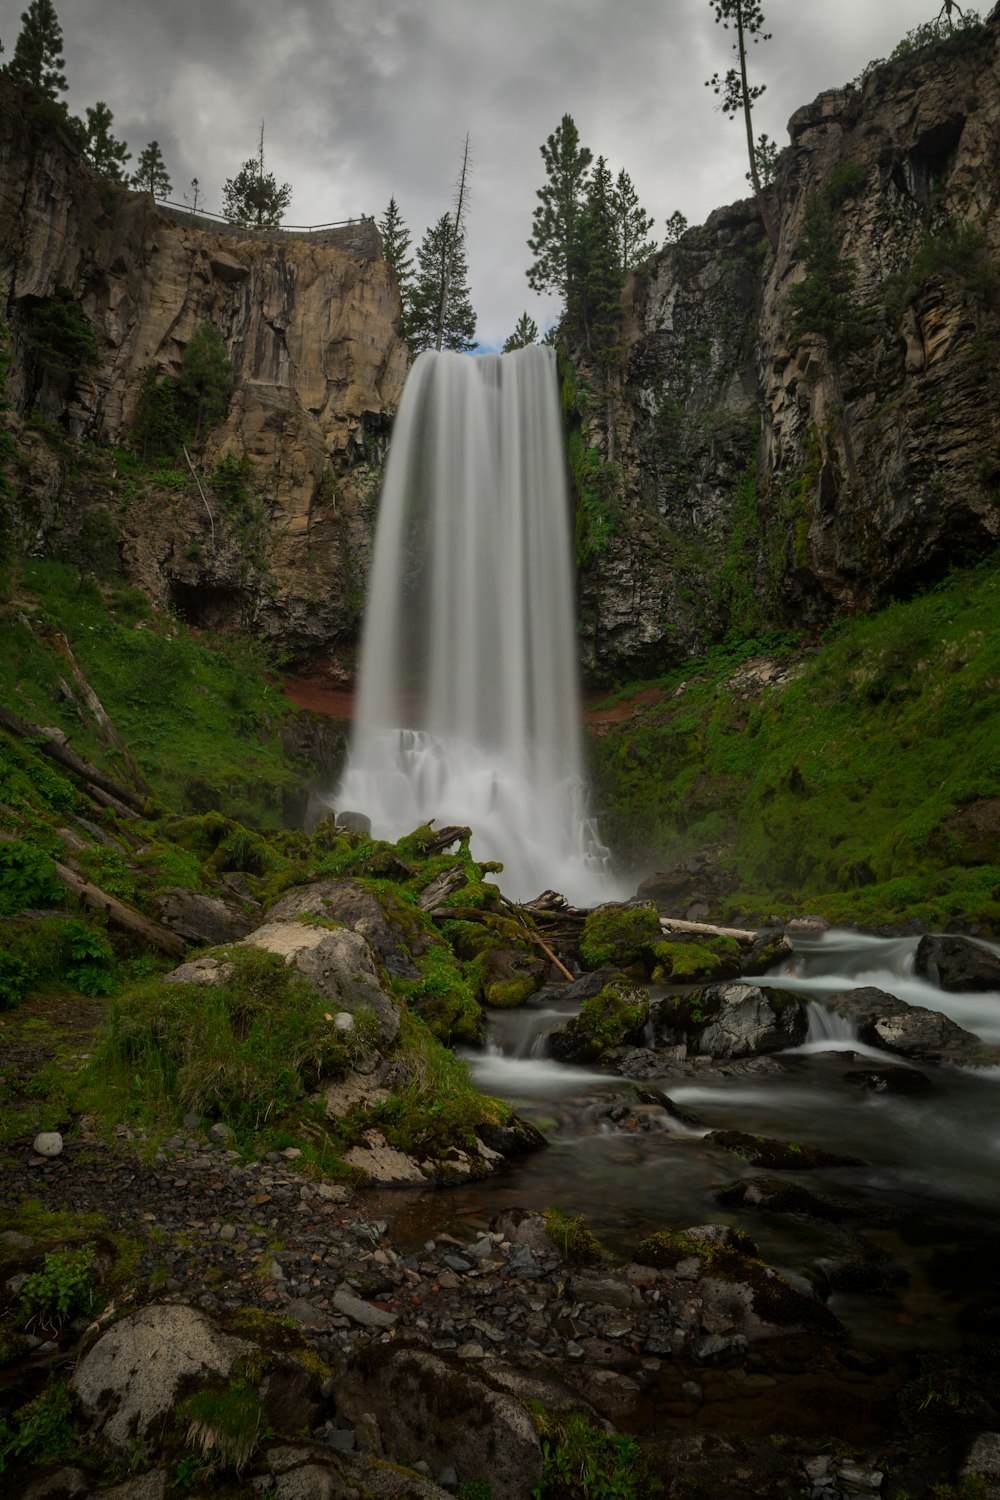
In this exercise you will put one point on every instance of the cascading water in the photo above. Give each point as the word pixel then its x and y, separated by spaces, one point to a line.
pixel 468 710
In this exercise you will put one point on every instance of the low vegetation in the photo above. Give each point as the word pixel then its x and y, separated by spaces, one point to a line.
pixel 859 784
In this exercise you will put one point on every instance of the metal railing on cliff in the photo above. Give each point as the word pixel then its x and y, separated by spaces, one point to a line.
pixel 203 218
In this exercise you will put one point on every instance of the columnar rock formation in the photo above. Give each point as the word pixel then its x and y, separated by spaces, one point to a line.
pixel 770 477
pixel 312 326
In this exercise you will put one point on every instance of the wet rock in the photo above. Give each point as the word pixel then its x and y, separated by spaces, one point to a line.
pixel 885 1021
pixel 957 964
pixel 365 1313
pixel 617 1014
pixel 729 1021
pixel 382 1163
pixel 889 1080
pixel 581 989
pixel 983 1462
pixel 779 1196
pixel 513 1139
pixel 778 1156
pixel 769 949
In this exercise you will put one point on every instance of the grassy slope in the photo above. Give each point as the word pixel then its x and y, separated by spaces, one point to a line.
pixel 197 713
pixel 836 791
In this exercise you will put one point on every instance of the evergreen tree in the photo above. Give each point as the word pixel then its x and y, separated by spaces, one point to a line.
pixel 253 196
pixel 824 302
pixel 395 244
pixel 525 333
pixel 632 224
pixel 150 175
pixel 737 93
pixel 595 308
pixel 675 227
pixel 555 221
pixel 38 62
pixel 101 149
pixel 766 156
pixel 441 315
pixel 205 382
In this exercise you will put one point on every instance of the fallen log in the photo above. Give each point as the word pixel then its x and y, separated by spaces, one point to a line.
pixel 705 929
pixel 126 918
pixel 57 751
pixel 97 709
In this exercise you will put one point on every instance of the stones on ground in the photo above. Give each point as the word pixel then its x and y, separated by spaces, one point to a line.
pixel 462 1423
pixel 365 1313
pixel 957 964
pixel 48 1143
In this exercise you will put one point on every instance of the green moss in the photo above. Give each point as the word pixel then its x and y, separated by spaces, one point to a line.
pixel 712 959
pixel 575 1242
pixel 603 1022
pixel 619 936
pixel 507 994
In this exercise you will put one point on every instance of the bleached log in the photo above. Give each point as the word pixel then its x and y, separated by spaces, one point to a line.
pixel 705 929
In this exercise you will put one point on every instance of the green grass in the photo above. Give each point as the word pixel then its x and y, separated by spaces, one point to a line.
pixel 835 792
pixel 197 712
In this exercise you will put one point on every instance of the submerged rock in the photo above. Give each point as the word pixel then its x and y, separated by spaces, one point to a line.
pixel 778 1156
pixel 779 1196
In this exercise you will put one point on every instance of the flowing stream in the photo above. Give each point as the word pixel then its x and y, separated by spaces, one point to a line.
pixel 931 1160
pixel 468 711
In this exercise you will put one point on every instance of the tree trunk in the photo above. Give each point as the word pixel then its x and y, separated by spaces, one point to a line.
pixel 66 757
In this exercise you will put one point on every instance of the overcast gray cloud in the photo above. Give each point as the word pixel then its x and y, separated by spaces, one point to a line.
pixel 364 99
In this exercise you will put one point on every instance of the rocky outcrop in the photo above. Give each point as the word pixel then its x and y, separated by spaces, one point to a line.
pixel 773 476
pixel 312 326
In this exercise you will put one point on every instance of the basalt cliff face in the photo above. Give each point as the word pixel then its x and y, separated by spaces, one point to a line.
pixel 312 326
pixel 773 475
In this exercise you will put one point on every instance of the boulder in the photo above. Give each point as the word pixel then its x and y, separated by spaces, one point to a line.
pixel 431 1410
pixel 956 964
pixel 729 1021
pixel 394 936
pixel 206 920
pixel 883 1020
pixel 778 1156
pixel 129 1382
pixel 340 963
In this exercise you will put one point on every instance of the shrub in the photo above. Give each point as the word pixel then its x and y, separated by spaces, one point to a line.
pixel 27 878
pixel 63 1287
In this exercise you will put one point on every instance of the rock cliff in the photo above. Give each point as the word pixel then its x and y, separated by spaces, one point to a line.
pixel 312 326
pixel 774 475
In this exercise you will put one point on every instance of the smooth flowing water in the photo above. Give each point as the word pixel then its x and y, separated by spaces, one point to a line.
pixel 932 1159
pixel 468 711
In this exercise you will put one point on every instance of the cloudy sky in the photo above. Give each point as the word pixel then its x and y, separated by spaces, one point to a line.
pixel 364 99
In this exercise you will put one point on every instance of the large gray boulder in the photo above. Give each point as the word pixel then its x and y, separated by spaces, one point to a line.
pixel 728 1021
pixel 340 963
pixel 956 964
pixel 130 1381
pixel 395 937
pixel 883 1020
pixel 432 1410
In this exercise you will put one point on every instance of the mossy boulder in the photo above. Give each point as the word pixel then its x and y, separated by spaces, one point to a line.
pixel 616 1015
pixel 778 1156
pixel 577 1244
pixel 507 975
pixel 678 962
pixel 621 936
pixel 729 1021
pixel 734 1282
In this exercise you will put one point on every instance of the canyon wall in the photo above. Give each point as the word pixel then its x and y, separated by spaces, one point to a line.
pixel 312 326
pixel 772 476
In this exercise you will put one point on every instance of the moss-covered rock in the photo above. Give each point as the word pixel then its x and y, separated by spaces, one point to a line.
pixel 614 1016
pixel 778 1156
pixel 620 935
pixel 577 1245
pixel 709 958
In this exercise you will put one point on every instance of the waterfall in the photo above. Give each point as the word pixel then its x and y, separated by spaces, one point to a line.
pixel 468 710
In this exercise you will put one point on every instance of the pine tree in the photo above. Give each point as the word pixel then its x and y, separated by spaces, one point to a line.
pixel 556 216
pixel 253 195
pixel 441 315
pixel 596 306
pixel 737 93
pixel 632 224
pixel 38 62
pixel 205 382
pixel 101 149
pixel 525 333
pixel 150 175
pixel 675 226
pixel 395 244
